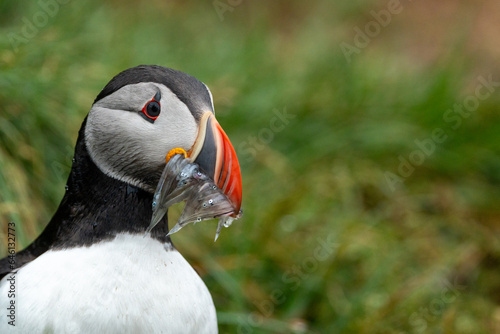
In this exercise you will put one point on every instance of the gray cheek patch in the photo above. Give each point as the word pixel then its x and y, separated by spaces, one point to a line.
pixel 129 148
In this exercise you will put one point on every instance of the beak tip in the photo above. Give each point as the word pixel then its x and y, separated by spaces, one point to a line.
pixel 236 201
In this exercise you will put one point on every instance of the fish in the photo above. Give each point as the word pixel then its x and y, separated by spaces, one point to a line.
pixel 183 180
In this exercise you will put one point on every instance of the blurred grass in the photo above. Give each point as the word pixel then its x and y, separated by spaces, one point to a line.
pixel 422 258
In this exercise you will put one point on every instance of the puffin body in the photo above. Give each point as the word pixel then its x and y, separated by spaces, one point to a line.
pixel 94 269
pixel 129 284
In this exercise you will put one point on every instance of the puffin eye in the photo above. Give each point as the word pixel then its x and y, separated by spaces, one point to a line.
pixel 152 109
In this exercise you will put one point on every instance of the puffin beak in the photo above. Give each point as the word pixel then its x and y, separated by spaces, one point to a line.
pixel 215 154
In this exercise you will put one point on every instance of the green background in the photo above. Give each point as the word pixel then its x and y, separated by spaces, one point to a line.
pixel 338 234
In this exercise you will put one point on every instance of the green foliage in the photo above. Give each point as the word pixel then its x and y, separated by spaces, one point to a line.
pixel 327 244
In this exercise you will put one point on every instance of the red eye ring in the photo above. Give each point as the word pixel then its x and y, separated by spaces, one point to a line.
pixel 152 109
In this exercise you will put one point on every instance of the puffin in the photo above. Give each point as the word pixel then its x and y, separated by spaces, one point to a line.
pixel 95 268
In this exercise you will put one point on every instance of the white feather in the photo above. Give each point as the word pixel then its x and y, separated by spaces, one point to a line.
pixel 131 284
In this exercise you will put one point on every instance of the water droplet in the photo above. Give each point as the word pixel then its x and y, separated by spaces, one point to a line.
pixel 228 221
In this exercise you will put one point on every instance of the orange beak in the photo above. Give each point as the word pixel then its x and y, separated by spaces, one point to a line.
pixel 215 154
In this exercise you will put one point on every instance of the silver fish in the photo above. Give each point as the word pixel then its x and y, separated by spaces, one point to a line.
pixel 182 180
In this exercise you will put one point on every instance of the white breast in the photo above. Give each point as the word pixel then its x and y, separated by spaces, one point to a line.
pixel 131 284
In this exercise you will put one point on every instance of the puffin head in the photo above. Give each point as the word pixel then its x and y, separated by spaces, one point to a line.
pixel 146 111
